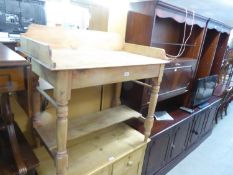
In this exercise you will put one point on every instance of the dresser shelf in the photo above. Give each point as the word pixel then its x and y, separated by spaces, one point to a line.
pixel 84 125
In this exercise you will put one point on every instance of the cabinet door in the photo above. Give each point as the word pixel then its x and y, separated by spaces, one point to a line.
pixel 130 164
pixel 176 78
pixel 156 153
pixel 210 119
pixel 179 139
pixel 195 131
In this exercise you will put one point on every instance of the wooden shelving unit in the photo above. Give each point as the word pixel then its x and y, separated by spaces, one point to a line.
pixel 209 49
pixel 220 53
pixel 69 59
pixel 158 24
pixel 84 125
pixel 214 48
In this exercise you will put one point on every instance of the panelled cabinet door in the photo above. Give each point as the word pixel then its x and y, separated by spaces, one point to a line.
pixel 195 131
pixel 156 153
pixel 179 139
pixel 203 118
pixel 210 118
pixel 129 165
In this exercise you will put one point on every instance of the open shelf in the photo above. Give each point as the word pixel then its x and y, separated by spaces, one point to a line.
pixel 208 53
pixel 93 154
pixel 175 44
pixel 86 124
pixel 220 52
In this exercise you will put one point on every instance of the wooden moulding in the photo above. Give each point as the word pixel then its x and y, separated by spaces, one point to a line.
pixel 165 10
pixel 84 125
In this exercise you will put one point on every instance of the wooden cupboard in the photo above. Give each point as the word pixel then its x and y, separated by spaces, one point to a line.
pixel 113 151
pixel 171 141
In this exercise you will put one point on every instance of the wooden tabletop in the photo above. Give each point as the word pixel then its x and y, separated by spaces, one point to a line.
pixel 10 58
pixel 58 48
pixel 91 59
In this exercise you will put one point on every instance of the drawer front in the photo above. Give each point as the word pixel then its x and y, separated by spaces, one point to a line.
pixel 129 165
pixel 104 171
pixel 176 78
pixel 11 79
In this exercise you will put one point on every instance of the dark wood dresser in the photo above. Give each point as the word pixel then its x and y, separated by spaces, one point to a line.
pixel 16 154
pixel 172 140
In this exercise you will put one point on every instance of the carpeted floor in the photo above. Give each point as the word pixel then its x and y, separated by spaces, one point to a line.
pixel 215 155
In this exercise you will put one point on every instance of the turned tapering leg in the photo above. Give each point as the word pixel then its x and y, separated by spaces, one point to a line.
pixel 148 124
pixel 36 101
pixel 151 110
pixel 62 128
pixel 8 119
pixel 62 95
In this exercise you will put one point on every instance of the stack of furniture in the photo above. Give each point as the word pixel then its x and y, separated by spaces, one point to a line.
pixel 101 143
pixel 158 24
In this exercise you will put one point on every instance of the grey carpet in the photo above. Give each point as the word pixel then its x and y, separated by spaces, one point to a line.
pixel 215 155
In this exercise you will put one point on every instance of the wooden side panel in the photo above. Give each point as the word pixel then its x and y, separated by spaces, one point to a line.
pixel 194 43
pixel 220 52
pixel 208 53
pixel 139 28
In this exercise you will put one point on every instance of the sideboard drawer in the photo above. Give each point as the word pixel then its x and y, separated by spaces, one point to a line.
pixel 129 165
pixel 103 171
pixel 11 79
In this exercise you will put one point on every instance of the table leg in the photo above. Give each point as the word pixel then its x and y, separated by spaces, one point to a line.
pixel 62 127
pixel 8 119
pixel 36 105
pixel 62 94
pixel 148 124
pixel 153 101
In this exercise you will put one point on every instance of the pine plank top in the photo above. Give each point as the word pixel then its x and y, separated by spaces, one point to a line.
pixel 86 124
pixel 90 59
pixel 10 58
pixel 96 152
